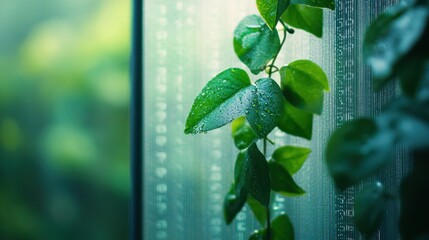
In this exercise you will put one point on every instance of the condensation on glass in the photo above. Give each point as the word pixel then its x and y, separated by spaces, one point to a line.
pixel 187 42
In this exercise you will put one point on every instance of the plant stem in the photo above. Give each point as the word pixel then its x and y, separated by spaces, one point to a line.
pixel 281 45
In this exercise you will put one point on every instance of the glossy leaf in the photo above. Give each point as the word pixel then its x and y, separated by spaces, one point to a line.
pixel 356 150
pixel 259 211
pixel 369 206
pixel 330 4
pixel 232 204
pixel 291 158
pixel 242 133
pixel 282 181
pixel 223 99
pixel 303 85
pixel 392 36
pixel 259 235
pixel 255 44
pixel 309 19
pixel 252 175
pixel 282 228
pixel 264 112
pixel 295 121
pixel 271 10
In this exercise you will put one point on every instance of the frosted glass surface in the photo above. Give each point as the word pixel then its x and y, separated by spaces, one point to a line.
pixel 187 42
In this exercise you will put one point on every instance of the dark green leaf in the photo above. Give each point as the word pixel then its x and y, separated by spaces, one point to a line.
pixel 242 133
pixel 369 207
pixel 258 210
pixel 282 228
pixel 264 112
pixel 303 83
pixel 356 150
pixel 307 18
pixel 252 175
pixel 258 235
pixel 282 182
pixel 391 37
pixel 295 121
pixel 316 3
pixel 232 204
pixel 255 44
pixel 271 10
pixel 223 99
pixel 291 158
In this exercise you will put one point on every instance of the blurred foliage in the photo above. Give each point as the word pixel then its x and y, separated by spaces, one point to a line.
pixel 64 138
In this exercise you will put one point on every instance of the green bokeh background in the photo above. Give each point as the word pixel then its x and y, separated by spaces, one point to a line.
pixel 64 124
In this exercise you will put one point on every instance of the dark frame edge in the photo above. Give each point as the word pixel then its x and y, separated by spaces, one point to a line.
pixel 136 122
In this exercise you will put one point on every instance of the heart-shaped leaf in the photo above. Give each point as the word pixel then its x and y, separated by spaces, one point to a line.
pixel 265 110
pixel 356 150
pixel 252 175
pixel 369 206
pixel 242 133
pixel 223 99
pixel 255 44
pixel 271 10
pixel 282 228
pixel 304 17
pixel 233 204
pixel 295 121
pixel 259 211
pixel 303 85
pixel 330 4
pixel 282 181
pixel 291 158
pixel 391 37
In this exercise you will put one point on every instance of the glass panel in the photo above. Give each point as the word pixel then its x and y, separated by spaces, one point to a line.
pixel 187 42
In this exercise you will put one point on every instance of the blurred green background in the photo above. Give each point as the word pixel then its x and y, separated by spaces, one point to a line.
pixel 64 125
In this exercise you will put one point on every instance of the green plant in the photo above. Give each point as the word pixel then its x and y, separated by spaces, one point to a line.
pixel 256 109
pixel 395 47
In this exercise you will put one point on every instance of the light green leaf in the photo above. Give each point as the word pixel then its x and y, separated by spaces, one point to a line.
pixel 252 175
pixel 282 228
pixel 303 85
pixel 291 158
pixel 242 133
pixel 356 150
pixel 295 121
pixel 307 18
pixel 264 112
pixel 271 10
pixel 255 44
pixel 369 206
pixel 391 37
pixel 282 182
pixel 330 4
pixel 259 211
pixel 223 99
pixel 232 204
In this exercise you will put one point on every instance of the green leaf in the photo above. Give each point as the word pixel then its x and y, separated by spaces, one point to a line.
pixel 303 83
pixel 264 112
pixel 330 4
pixel 291 158
pixel 259 211
pixel 307 18
pixel 242 133
pixel 391 37
pixel 282 182
pixel 259 235
pixel 232 204
pixel 368 208
pixel 282 228
pixel 271 10
pixel 252 175
pixel 223 99
pixel 295 121
pixel 356 150
pixel 255 44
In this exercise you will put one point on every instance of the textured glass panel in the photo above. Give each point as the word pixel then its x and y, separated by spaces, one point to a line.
pixel 187 42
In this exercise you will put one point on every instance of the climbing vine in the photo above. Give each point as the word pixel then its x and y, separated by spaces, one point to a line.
pixel 395 48
pixel 255 109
